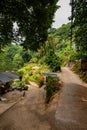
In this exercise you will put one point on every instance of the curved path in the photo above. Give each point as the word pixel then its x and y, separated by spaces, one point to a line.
pixel 71 112
pixel 29 113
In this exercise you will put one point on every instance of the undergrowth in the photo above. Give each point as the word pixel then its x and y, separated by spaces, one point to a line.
pixel 82 73
pixel 52 86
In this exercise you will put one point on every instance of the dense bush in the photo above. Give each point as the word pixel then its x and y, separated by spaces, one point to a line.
pixel 52 85
pixel 53 61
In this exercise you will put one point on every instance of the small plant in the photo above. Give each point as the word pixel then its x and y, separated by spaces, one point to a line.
pixel 53 61
pixel 52 85
pixel 41 80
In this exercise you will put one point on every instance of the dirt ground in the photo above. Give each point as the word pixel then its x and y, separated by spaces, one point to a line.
pixel 66 111
pixel 29 112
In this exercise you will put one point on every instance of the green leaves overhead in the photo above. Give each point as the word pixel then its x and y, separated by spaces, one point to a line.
pixel 33 18
pixel 80 12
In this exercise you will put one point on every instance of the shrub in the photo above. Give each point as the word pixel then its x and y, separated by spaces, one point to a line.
pixel 53 61
pixel 33 72
pixel 41 80
pixel 34 60
pixel 52 85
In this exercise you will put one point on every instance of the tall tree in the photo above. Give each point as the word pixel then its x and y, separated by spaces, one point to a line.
pixel 33 18
pixel 80 22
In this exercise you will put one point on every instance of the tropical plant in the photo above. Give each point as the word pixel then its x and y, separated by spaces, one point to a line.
pixel 33 72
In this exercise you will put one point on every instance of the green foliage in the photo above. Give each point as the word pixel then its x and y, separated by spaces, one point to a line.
pixel 34 60
pixel 33 20
pixel 18 61
pixel 79 19
pixel 47 54
pixel 61 45
pixel 80 12
pixel 5 63
pixel 26 55
pixel 62 32
pixel 81 37
pixel 13 57
pixel 77 69
pixel 52 85
pixel 53 60
pixel 64 49
pixel 41 82
pixel 33 72
pixel 75 55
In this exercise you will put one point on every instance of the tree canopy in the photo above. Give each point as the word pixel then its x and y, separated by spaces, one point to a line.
pixel 79 17
pixel 33 19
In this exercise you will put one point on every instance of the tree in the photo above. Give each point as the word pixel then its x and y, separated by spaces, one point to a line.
pixel 33 18
pixel 13 57
pixel 80 12
pixel 80 22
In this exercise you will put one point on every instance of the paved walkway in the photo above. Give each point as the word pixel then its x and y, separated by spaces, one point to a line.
pixel 72 107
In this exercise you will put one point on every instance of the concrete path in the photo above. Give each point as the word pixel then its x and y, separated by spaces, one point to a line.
pixel 72 107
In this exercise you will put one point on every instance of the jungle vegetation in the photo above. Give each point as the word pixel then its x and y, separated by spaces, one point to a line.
pixel 30 46
pixel 33 19
pixel 40 43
